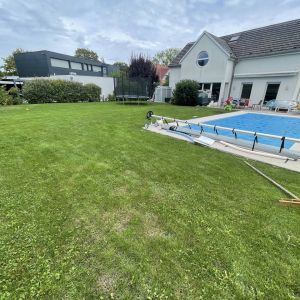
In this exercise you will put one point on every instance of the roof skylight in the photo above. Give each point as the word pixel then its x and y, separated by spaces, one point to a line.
pixel 234 38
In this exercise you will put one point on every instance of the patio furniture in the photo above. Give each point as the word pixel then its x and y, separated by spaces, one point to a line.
pixel 257 105
pixel 295 109
pixel 285 104
pixel 269 104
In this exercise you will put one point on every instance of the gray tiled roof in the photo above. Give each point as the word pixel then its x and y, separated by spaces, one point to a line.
pixel 180 55
pixel 273 39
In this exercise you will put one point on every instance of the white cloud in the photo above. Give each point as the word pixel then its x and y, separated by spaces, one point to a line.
pixel 115 29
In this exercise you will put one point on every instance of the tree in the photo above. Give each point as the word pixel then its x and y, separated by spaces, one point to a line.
pixel 9 67
pixel 87 53
pixel 165 57
pixel 123 67
pixel 140 66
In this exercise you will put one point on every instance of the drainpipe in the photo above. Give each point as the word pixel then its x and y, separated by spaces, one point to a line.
pixel 233 70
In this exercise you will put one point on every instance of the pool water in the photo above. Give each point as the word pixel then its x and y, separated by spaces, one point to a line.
pixel 277 125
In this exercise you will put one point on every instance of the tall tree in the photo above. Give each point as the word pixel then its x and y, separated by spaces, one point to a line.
pixel 165 57
pixel 9 67
pixel 87 53
pixel 141 66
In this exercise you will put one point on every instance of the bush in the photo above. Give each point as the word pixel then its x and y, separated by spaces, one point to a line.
pixel 59 91
pixel 110 97
pixel 93 92
pixel 14 92
pixel 186 93
pixel 5 98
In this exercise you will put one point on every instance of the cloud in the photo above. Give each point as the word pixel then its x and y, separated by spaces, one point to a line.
pixel 115 29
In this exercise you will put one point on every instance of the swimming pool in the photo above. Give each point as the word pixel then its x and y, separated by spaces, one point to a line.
pixel 270 124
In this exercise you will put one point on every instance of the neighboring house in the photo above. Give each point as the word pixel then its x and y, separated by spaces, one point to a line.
pixel 47 64
pixel 260 64
pixel 162 73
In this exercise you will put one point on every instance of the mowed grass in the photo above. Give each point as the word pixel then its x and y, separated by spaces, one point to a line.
pixel 94 207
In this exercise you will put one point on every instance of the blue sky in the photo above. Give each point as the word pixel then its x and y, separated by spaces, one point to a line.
pixel 115 29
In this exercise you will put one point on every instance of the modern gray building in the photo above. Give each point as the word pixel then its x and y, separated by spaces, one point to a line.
pixel 46 63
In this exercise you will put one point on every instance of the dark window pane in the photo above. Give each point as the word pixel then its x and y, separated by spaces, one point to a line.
pixel 271 92
pixel 246 91
pixel 202 59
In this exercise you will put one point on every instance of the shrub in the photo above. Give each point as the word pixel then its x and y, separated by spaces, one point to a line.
pixel 93 92
pixel 59 91
pixel 186 93
pixel 110 97
pixel 14 92
pixel 5 98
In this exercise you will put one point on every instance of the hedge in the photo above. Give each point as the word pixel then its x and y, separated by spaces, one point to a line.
pixel 186 93
pixel 59 91
pixel 5 98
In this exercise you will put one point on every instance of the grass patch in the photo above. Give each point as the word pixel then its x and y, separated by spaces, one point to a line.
pixel 93 206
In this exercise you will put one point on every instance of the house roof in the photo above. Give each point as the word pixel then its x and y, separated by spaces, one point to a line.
pixel 273 39
pixel 181 54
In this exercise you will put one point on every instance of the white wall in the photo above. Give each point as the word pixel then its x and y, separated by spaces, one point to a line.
pixel 213 71
pixel 218 69
pixel 174 76
pixel 106 83
pixel 283 69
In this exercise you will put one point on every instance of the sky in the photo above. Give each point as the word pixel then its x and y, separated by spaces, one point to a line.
pixel 116 29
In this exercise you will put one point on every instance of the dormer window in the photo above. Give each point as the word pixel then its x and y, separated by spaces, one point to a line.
pixel 202 59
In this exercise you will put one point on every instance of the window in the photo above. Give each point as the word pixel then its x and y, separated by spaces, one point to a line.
pixel 76 66
pixel 104 71
pixel 97 69
pixel 85 67
pixel 202 59
pixel 246 90
pixel 234 38
pixel 59 63
pixel 206 86
pixel 271 92
pixel 215 91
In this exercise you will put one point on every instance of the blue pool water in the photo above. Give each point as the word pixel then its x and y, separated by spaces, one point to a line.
pixel 277 125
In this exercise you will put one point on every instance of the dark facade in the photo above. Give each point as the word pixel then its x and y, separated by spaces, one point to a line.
pixel 46 63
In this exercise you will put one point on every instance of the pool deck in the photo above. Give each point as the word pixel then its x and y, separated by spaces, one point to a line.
pixel 258 156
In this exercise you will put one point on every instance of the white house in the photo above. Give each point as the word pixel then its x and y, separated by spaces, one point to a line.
pixel 260 64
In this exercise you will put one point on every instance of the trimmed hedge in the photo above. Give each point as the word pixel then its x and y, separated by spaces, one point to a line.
pixel 60 91
pixel 186 93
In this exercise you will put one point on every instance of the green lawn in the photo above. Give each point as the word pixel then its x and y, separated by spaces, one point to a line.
pixel 94 207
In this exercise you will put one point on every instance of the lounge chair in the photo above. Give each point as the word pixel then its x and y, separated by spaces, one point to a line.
pixel 285 104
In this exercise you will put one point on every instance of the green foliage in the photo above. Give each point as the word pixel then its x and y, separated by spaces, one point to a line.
pixel 110 97
pixel 186 93
pixel 5 98
pixel 87 53
pixel 123 67
pixel 14 92
pixel 165 57
pixel 92 91
pixel 9 67
pixel 59 91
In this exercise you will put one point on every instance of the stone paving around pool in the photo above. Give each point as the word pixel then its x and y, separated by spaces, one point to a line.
pixel 258 156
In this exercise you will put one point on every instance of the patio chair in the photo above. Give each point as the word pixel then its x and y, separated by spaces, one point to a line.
pixel 257 105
